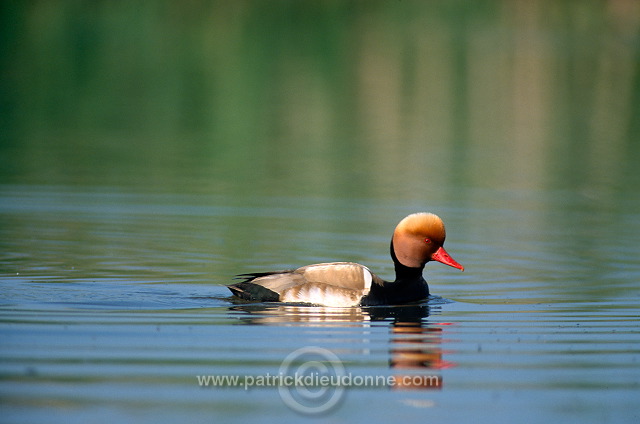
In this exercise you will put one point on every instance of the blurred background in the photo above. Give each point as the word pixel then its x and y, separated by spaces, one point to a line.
pixel 372 99
pixel 151 150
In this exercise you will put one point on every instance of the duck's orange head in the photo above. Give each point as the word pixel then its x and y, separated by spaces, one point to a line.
pixel 419 238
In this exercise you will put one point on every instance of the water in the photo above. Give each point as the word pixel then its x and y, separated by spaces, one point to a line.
pixel 150 153
pixel 113 304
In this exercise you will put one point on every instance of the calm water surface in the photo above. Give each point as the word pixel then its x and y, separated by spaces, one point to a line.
pixel 150 151
pixel 113 303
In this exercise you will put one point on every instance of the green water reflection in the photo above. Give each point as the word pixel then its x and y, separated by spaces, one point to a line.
pixel 356 98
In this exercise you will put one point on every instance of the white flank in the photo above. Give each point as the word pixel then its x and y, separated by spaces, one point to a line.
pixel 367 279
pixel 321 295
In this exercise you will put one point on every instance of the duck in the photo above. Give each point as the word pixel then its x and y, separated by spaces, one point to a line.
pixel 417 239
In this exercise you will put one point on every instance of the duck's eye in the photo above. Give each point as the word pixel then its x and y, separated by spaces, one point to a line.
pixel 427 240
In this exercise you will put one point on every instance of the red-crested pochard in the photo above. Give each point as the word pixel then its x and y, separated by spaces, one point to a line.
pixel 417 239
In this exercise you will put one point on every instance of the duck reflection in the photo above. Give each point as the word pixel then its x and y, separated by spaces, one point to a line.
pixel 414 348
pixel 415 354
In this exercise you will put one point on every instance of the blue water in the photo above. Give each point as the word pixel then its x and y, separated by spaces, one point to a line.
pixel 113 304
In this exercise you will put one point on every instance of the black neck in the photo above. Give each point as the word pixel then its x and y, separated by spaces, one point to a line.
pixel 408 287
pixel 404 272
